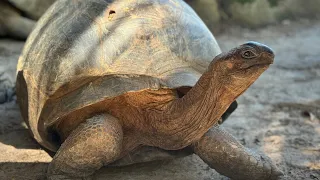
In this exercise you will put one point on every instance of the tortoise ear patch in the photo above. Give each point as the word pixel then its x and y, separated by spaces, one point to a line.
pixel 229 65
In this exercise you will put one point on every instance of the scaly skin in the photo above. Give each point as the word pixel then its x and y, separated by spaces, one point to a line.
pixel 222 152
pixel 163 120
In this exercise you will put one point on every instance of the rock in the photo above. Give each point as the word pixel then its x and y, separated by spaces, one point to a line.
pixel 11 93
pixel 9 54
pixel 18 17
pixel 3 97
pixel 12 23
pixel 7 95
pixel 32 8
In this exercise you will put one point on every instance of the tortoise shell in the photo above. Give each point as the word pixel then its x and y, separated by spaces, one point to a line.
pixel 83 52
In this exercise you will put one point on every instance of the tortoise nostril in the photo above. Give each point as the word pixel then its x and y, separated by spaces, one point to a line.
pixel 268 50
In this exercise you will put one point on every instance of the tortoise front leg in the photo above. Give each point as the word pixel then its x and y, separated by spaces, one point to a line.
pixel 93 144
pixel 222 152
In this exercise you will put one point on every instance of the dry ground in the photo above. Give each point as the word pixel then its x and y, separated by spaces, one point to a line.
pixel 279 114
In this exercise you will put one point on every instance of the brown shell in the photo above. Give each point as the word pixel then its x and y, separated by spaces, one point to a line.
pixel 82 52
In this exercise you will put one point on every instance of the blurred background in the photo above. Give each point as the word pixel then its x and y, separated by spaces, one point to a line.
pixel 278 115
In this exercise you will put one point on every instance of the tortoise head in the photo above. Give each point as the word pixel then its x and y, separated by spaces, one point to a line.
pixel 242 65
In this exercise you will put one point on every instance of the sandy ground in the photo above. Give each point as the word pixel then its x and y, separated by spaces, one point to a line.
pixel 279 114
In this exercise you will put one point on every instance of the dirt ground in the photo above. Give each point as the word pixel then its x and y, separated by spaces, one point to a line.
pixel 279 114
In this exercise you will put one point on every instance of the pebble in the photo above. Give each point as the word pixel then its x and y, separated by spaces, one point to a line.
pixel 7 95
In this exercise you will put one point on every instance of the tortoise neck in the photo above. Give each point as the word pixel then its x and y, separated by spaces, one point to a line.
pixel 205 103
pixel 188 118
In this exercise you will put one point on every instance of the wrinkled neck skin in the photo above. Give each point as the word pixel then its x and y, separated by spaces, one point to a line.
pixel 183 121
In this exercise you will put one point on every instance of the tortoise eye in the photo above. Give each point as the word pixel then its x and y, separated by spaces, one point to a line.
pixel 248 54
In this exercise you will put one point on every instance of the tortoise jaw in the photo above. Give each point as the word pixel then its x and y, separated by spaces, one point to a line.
pixel 262 65
pixel 265 60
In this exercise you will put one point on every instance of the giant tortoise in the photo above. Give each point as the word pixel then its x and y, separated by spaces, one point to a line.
pixel 116 82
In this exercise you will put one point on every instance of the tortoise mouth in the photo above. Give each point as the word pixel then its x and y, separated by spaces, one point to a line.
pixel 262 65
pixel 255 66
pixel 265 61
